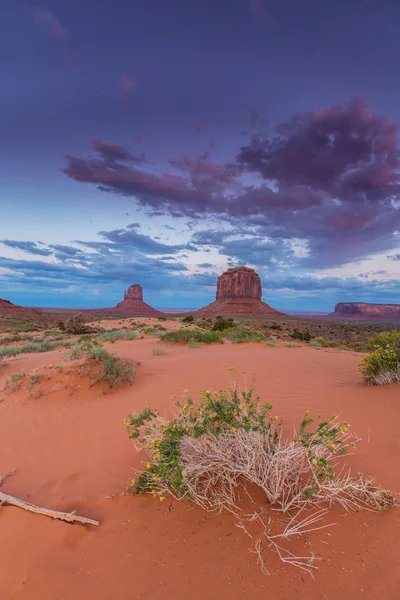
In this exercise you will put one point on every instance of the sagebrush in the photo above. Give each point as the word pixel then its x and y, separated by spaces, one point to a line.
pixel 209 453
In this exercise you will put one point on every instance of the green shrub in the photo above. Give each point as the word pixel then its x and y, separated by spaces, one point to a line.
pixel 118 334
pixel 221 324
pixel 387 339
pixel 151 331
pixel 111 368
pixel 191 335
pixel 382 365
pixel 320 342
pixel 45 346
pixel 219 414
pixel 15 381
pixel 159 351
pixel 162 318
pixel 188 319
pixel 241 334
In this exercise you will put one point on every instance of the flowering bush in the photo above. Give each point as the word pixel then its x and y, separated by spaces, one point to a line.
pixel 218 414
pixel 382 365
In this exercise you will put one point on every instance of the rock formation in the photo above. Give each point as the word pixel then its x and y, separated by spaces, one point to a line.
pixel 239 293
pixel 133 304
pixel 8 308
pixel 363 310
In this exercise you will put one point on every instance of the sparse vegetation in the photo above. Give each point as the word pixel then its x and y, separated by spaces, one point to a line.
pixel 111 368
pixel 118 334
pixel 188 319
pixel 382 365
pixel 76 325
pixel 210 452
pixel 15 381
pixel 44 346
pixel 159 351
pixel 242 334
pixel 191 335
pixel 320 342
pixel 221 324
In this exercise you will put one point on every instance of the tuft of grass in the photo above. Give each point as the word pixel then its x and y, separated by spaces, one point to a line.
pixel 15 381
pixel 192 345
pixel 118 334
pixel 191 335
pixel 44 346
pixel 270 342
pixel 159 351
pixel 241 334
pixel 112 369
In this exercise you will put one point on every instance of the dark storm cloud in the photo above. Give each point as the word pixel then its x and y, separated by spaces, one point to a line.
pixel 30 247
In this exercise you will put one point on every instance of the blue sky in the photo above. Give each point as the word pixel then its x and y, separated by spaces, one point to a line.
pixel 159 143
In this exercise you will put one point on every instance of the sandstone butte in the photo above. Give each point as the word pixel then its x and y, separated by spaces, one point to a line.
pixel 133 304
pixel 239 293
pixel 363 310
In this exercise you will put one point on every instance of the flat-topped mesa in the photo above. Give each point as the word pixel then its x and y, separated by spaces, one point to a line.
pixel 363 310
pixel 239 282
pixel 239 292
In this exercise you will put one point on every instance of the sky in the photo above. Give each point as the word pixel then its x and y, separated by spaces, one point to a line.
pixel 160 143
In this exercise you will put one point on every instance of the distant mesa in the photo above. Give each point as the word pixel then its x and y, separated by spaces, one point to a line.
pixel 363 310
pixel 8 308
pixel 239 292
pixel 133 305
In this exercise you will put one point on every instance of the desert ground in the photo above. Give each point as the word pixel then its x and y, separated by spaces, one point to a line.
pixel 71 452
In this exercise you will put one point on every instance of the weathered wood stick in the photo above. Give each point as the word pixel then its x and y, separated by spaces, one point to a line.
pixel 55 514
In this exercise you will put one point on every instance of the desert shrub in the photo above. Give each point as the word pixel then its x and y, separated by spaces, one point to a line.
pixel 221 324
pixel 188 319
pixel 44 346
pixel 241 334
pixel 384 340
pixel 61 325
pixel 159 351
pixel 113 369
pixel 297 335
pixel 276 326
pixel 208 453
pixel 162 318
pixel 191 335
pixel 118 334
pixel 382 365
pixel 320 342
pixel 204 323
pixel 15 381
pixel 306 336
pixel 192 345
pixel 76 325
pixel 270 342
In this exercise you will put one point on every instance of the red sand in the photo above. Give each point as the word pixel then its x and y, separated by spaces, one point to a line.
pixel 72 452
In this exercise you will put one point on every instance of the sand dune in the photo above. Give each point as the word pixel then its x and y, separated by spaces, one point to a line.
pixel 72 452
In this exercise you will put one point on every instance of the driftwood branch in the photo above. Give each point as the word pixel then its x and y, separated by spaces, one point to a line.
pixel 54 514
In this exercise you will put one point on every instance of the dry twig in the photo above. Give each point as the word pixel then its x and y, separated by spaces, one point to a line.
pixel 71 517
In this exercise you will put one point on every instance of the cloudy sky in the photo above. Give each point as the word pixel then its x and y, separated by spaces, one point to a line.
pixel 160 142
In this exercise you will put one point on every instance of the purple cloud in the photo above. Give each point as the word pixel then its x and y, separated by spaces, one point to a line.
pixel 328 177
pixel 51 26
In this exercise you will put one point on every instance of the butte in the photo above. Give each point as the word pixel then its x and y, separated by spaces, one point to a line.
pixel 239 294
pixel 133 305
